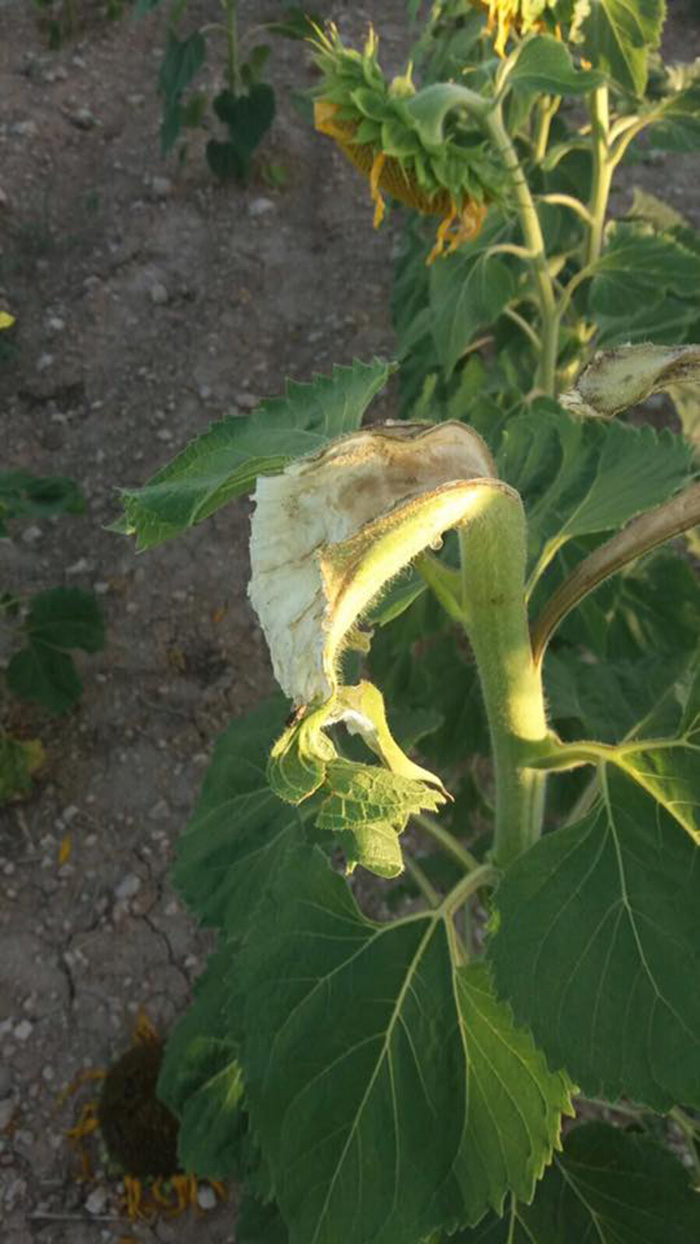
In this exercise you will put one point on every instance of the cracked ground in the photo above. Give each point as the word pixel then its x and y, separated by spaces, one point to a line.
pixel 149 302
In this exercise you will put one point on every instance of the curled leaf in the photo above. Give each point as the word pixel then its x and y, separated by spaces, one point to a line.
pixel 366 806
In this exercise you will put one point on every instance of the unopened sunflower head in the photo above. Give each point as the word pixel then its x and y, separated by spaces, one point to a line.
pixel 520 16
pixel 371 120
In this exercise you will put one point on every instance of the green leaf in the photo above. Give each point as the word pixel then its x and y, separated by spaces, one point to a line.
pixel 416 668
pixel 597 949
pixel 224 161
pixel 648 611
pixel 248 118
pixel 605 699
pixel 582 476
pixel 641 280
pixel 254 66
pixel 544 65
pixel 358 1038
pixel 399 597
pixel 59 619
pixel 45 675
pixel 368 807
pixel 201 1081
pixel 182 62
pixel 239 828
pixel 257 1223
pixel 224 462
pixel 23 495
pixel 19 759
pixel 679 127
pixel 617 37
pixel 468 291
pixel 669 769
pixel 608 1187
pixel 66 617
pixel 170 127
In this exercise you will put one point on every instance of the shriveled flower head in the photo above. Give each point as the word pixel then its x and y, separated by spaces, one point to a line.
pixel 328 534
pixel 372 121
pixel 332 528
pixel 521 16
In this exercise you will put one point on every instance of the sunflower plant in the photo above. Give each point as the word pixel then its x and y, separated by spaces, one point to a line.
pixel 452 863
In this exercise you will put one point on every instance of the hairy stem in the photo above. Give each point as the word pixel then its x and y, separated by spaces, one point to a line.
pixel 532 232
pixel 425 886
pixel 603 168
pixel 447 841
pixel 484 875
pixel 644 533
pixel 547 110
pixel 493 574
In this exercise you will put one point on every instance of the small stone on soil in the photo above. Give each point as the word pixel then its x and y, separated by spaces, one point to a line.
pixel 206 1197
pixel 96 1203
pixel 259 207
pixel 159 294
pixel 128 887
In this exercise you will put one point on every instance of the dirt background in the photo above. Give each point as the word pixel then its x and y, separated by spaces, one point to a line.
pixel 149 302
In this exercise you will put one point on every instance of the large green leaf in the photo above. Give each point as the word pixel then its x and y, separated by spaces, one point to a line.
pixel 679 126
pixel 390 1091
pixel 642 282
pixel 224 462
pixel 617 36
pixel 597 948
pixel 544 65
pixel 239 829
pixel 259 1223
pixel 669 768
pixel 608 1187
pixel 201 1081
pixel 468 291
pixel 648 612
pixel 578 477
pixel 605 699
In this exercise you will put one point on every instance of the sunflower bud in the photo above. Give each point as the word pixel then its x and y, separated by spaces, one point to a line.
pixel 617 379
